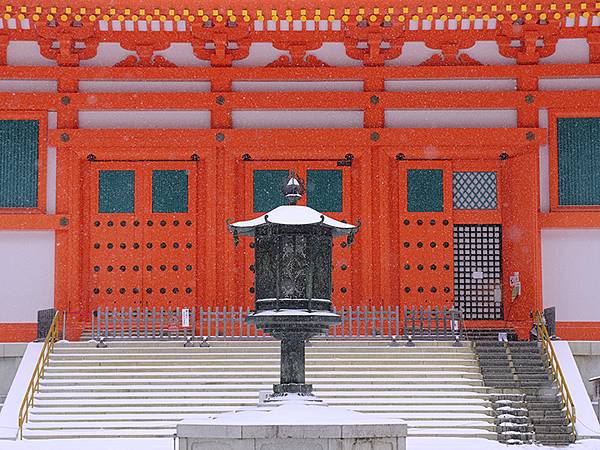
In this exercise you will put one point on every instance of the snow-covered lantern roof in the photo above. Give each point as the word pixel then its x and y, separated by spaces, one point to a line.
pixel 294 215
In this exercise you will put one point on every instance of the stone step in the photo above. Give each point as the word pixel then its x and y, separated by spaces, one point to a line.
pixel 429 417
pixel 249 374
pixel 262 356
pixel 187 360
pixel 136 381
pixel 312 368
pixel 396 402
pixel 159 408
pixel 137 388
pixel 398 396
pixel 254 387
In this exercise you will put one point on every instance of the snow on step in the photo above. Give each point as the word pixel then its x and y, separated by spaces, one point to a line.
pixel 143 388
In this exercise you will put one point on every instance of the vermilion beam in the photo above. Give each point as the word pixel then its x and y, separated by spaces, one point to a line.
pixel 301 73
pixel 311 137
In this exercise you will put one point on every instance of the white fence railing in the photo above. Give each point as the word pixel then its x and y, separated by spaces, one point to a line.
pixel 355 322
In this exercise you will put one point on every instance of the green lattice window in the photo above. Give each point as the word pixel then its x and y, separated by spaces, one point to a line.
pixel 425 190
pixel 474 190
pixel 19 158
pixel 324 190
pixel 268 186
pixel 169 191
pixel 116 191
pixel 579 161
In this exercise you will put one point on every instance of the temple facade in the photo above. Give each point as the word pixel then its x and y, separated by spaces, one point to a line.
pixel 464 137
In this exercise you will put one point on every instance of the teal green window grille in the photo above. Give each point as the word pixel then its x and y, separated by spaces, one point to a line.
pixel 169 191
pixel 268 185
pixel 324 190
pixel 578 161
pixel 116 191
pixel 19 158
pixel 425 190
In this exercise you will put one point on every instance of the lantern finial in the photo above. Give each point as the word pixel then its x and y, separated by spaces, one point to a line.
pixel 294 188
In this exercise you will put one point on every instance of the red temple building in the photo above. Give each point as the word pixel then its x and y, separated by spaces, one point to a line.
pixel 463 136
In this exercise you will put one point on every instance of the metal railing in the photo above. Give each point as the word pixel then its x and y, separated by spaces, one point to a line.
pixel 356 322
pixel 38 371
pixel 436 323
pixel 557 372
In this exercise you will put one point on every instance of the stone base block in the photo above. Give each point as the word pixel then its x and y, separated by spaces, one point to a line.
pixel 293 444
pixel 293 426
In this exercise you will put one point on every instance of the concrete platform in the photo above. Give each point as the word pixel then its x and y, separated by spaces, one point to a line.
pixel 293 426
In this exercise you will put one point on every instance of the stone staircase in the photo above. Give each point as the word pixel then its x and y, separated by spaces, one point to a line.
pixel 141 389
pixel 532 408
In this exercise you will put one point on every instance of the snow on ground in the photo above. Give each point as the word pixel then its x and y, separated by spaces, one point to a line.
pixel 9 415
pixel 587 422
pixel 413 443
pixel 89 444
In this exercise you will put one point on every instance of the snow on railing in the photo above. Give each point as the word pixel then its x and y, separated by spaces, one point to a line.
pixel 355 322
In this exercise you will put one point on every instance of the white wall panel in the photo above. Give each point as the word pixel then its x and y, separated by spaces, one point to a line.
pixel 450 118
pixel 26 274
pixel 261 54
pixel 413 53
pixel 182 54
pixel 570 262
pixel 51 181
pixel 569 51
pixel 575 84
pixel 52 120
pixel 26 53
pixel 109 53
pixel 544 179
pixel 544 165
pixel 297 119
pixel 144 119
pixel 486 52
pixel 334 54
pixel 296 86
pixel 27 86
pixel 144 86
pixel 450 85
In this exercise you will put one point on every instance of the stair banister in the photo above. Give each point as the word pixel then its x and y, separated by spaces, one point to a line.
pixel 38 371
pixel 557 373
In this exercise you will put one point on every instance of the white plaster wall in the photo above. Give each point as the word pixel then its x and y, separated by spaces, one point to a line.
pixel 296 86
pixel 261 54
pixel 544 165
pixel 26 53
pixel 413 53
pixel 108 54
pixel 486 52
pixel 464 85
pixel 26 274
pixel 570 281
pixel 297 119
pixel 51 181
pixel 569 51
pixel 569 84
pixel 450 118
pixel 27 86
pixel 144 119
pixel 144 86
pixel 334 54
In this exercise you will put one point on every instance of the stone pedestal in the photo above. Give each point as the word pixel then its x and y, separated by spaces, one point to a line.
pixel 293 426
